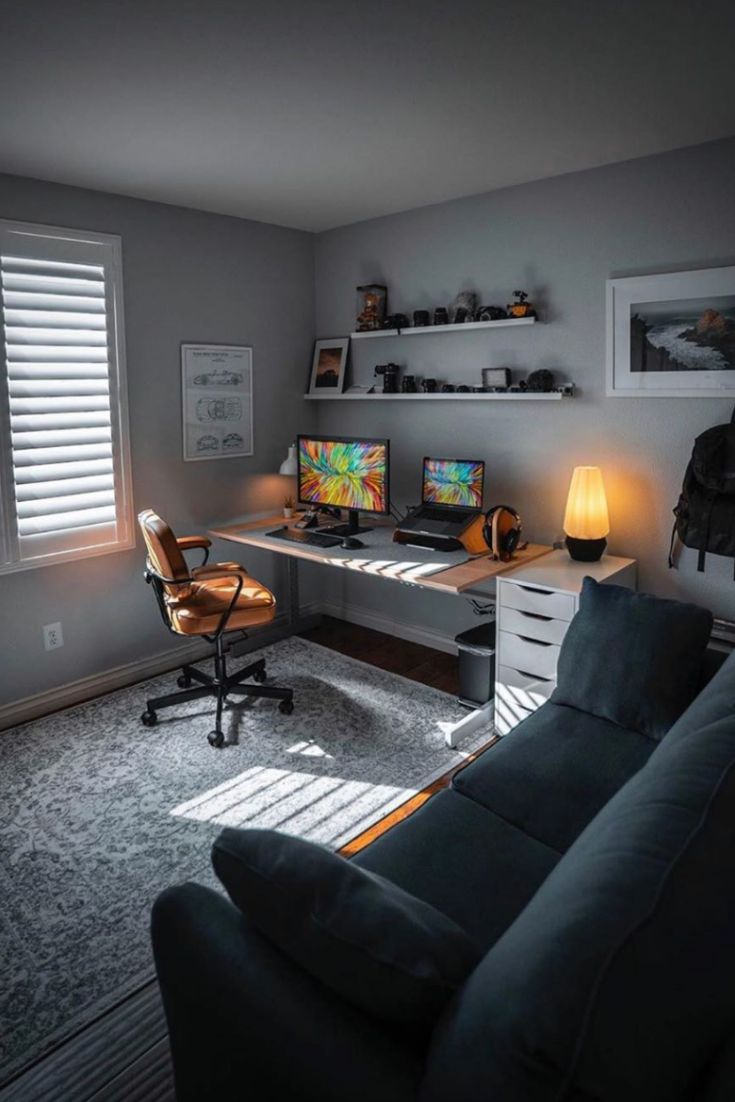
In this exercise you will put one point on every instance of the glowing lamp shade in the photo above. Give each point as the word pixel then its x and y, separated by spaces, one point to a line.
pixel 586 522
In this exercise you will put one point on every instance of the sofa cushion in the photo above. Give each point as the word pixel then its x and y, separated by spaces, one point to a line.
pixel 464 860
pixel 717 1078
pixel 632 658
pixel 716 701
pixel 384 950
pixel 616 981
pixel 554 772
pixel 246 1023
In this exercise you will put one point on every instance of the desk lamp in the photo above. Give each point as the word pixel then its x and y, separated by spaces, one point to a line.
pixel 586 522
pixel 290 465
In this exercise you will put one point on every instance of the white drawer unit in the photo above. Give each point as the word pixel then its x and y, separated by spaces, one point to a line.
pixel 531 626
pixel 526 690
pixel 535 605
pixel 541 602
pixel 517 695
pixel 526 655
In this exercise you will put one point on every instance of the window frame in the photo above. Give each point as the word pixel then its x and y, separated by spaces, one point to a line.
pixel 71 245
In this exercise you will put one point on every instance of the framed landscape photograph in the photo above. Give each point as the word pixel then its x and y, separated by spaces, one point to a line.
pixel 328 366
pixel 672 335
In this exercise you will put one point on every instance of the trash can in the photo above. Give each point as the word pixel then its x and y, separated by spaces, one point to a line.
pixel 476 650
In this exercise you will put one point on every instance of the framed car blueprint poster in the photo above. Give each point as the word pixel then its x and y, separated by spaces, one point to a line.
pixel 217 401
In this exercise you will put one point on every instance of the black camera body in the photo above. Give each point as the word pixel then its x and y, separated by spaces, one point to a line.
pixel 541 381
pixel 390 377
pixel 396 321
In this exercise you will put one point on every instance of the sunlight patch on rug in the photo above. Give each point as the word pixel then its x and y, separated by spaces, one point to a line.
pixel 297 803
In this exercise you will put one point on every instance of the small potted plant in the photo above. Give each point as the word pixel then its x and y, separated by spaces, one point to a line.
pixel 288 506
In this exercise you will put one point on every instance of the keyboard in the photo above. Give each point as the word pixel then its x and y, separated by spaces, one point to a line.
pixel 312 539
pixel 435 512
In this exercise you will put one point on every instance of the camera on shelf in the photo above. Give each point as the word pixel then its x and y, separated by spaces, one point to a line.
pixel 396 321
pixel 541 381
pixel 390 374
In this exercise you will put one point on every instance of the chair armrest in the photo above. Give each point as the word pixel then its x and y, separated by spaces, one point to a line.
pixel 241 1012
pixel 189 543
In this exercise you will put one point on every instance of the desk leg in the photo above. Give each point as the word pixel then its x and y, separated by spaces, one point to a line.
pixel 296 621
pixel 473 721
pixel 292 592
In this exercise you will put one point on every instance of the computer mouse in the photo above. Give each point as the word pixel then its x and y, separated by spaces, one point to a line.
pixel 349 543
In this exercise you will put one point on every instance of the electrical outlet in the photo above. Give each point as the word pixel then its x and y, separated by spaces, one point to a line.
pixel 53 636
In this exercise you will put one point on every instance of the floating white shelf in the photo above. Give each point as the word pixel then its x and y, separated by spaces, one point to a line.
pixel 417 330
pixel 379 333
pixel 525 396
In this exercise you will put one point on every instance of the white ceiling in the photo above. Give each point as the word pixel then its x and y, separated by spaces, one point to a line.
pixel 316 113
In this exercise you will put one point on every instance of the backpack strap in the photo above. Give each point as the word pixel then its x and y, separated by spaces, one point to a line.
pixel 703 549
pixel 672 545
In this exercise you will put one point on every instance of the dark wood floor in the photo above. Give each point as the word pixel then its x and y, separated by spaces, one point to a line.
pixel 412 660
pixel 124 1056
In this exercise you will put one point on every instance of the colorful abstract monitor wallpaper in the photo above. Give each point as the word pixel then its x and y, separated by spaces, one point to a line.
pixel 453 482
pixel 349 474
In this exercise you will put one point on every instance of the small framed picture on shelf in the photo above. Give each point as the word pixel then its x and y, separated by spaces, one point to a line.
pixel 328 366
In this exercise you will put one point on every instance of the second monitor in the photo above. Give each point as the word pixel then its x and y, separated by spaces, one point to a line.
pixel 345 472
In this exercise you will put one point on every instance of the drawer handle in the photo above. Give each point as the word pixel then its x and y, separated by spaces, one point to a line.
pixel 541 592
pixel 535 676
pixel 534 616
pixel 536 642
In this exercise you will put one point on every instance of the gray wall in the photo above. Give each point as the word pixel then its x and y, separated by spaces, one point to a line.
pixel 188 276
pixel 560 239
pixel 191 276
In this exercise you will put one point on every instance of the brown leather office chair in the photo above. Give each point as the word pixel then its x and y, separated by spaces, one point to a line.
pixel 210 601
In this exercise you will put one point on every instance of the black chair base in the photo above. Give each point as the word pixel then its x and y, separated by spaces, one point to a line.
pixel 219 686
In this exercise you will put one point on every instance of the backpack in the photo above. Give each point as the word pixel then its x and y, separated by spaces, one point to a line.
pixel 705 512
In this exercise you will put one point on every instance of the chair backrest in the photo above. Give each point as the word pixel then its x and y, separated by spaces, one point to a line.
pixel 164 553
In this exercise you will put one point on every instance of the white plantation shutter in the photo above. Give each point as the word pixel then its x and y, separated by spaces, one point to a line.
pixel 65 464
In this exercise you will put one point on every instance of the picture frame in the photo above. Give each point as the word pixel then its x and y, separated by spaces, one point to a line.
pixel 328 366
pixel 216 401
pixel 671 335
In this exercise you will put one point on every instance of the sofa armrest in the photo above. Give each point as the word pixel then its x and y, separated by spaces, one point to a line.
pixel 246 1023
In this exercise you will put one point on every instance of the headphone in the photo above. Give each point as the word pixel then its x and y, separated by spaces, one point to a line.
pixel 502 531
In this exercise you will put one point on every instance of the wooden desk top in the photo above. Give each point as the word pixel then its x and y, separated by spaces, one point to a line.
pixel 478 570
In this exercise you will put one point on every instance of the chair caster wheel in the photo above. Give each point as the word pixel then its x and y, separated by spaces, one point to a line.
pixel 216 739
pixel 149 718
pixel 260 676
pixel 286 706
pixel 183 681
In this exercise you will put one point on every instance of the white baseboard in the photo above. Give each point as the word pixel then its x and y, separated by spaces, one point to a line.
pixel 367 618
pixel 64 696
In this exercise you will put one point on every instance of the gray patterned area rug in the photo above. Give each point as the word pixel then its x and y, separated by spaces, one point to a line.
pixel 98 814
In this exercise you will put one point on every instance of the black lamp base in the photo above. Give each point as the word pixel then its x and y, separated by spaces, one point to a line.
pixel 585 550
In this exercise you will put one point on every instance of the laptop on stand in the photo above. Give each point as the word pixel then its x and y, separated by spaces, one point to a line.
pixel 451 498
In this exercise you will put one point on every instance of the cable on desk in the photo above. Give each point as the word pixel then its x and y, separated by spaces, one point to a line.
pixel 395 513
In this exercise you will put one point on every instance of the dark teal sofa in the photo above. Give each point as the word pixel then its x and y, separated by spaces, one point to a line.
pixel 595 867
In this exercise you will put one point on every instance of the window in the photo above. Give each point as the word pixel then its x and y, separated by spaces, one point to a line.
pixel 64 453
